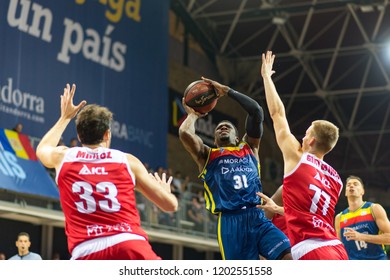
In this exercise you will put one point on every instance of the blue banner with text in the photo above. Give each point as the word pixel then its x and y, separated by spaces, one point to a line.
pixel 20 170
pixel 114 51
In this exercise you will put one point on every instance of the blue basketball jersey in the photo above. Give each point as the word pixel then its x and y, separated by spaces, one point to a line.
pixel 231 179
pixel 363 221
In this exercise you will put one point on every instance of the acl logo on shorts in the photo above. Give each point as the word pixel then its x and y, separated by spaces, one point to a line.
pixel 99 170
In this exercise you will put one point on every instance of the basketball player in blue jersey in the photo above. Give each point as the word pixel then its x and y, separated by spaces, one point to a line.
pixel 231 175
pixel 363 227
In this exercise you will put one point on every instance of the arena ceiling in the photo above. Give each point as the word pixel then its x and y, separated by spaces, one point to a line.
pixel 330 64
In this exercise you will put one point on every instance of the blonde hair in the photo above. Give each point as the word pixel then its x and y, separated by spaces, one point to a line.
pixel 326 135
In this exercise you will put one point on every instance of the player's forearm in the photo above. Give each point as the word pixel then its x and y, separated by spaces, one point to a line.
pixel 192 142
pixel 188 125
pixel 248 104
pixel 53 136
pixel 278 210
pixel 274 103
pixel 376 239
pixel 255 118
pixel 171 204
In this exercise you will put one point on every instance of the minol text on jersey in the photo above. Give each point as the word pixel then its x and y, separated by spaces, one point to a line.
pixel 85 155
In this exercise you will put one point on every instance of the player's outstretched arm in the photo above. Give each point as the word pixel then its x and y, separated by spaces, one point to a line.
pixel 286 141
pixel 47 151
pixel 155 188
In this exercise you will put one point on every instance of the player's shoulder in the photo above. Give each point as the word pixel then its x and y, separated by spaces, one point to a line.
pixel 338 215
pixel 377 208
pixel 133 160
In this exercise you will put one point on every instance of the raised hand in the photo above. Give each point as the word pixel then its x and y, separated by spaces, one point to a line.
pixel 68 109
pixel 221 89
pixel 267 64
pixel 163 182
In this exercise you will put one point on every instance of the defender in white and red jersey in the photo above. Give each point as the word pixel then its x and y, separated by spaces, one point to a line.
pixel 311 187
pixel 97 186
pixel 310 195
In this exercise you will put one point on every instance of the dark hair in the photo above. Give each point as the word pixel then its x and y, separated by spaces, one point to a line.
pixel 23 234
pixel 18 127
pixel 92 122
pixel 356 178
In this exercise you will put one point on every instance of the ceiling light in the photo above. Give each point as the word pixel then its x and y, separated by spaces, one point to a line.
pixel 278 20
pixel 366 8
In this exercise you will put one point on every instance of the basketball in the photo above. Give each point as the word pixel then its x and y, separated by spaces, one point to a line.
pixel 201 96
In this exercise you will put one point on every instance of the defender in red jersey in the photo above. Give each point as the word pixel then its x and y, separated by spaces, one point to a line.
pixel 311 187
pixel 97 186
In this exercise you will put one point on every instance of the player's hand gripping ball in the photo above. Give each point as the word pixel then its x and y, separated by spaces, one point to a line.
pixel 201 96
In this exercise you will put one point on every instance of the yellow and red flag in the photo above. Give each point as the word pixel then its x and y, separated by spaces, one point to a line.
pixel 17 143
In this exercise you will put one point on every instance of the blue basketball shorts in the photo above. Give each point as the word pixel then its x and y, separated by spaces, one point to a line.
pixel 246 234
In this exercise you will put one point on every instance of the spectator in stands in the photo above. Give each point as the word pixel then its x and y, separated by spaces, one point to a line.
pixel 141 206
pixel 185 201
pixel 169 172
pixel 2 256
pixel 18 128
pixel 177 180
pixel 97 186
pixel 153 214
pixel 161 170
pixel 185 183
pixel 177 184
pixel 61 142
pixel 73 142
pixel 195 214
pixel 147 166
pixel 200 196
pixel 56 256
pixel 167 218
pixel 363 227
pixel 23 244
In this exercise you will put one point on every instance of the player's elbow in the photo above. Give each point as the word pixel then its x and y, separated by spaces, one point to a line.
pixel 258 112
pixel 174 207
pixel 40 152
pixel 277 113
pixel 184 135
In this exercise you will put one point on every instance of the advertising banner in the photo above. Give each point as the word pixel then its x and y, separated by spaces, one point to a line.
pixel 20 170
pixel 114 51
